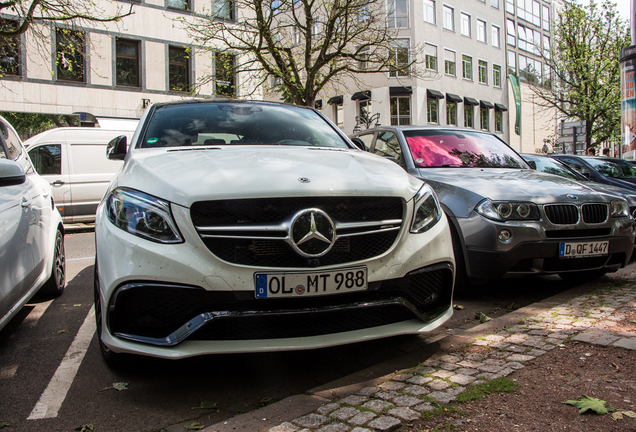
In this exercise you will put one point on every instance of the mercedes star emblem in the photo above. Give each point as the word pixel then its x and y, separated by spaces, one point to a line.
pixel 312 233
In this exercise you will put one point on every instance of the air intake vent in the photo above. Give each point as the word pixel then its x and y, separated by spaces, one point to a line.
pixel 595 213
pixel 562 214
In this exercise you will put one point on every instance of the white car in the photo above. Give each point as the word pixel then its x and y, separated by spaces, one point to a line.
pixel 31 231
pixel 250 226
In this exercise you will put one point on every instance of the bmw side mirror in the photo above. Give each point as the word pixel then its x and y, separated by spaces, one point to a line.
pixel 116 148
pixel 358 142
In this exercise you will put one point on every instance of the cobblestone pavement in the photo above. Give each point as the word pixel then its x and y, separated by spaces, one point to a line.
pixel 442 377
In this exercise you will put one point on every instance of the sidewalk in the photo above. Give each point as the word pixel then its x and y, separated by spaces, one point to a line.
pixel 583 314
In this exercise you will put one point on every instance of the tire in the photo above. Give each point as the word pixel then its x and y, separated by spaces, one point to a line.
pixel 54 286
pixel 112 359
pixel 461 277
pixel 582 276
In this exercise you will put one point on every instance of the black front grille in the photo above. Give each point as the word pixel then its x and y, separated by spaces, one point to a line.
pixel 248 249
pixel 562 214
pixel 595 213
pixel 273 210
pixel 155 311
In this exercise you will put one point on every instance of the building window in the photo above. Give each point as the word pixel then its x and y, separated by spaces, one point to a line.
pixel 69 54
pixel 364 109
pixel 432 110
pixel 178 69
pixel 510 29
pixel 400 110
pixel 496 36
pixel 510 6
pixel 177 4
pixel 465 20
pixel 400 57
pixel 528 39
pixel 481 31
pixel 512 62
pixel 9 51
pixel 529 10
pixel 482 71
pixel 451 113
pixel 496 76
pixel 449 62
pixel 430 53
pixel 494 3
pixel 530 69
pixel 546 18
pixel 467 67
pixel 468 116
pixel 483 118
pixel 339 115
pixel 498 121
pixel 363 56
pixel 398 13
pixel 223 9
pixel 224 74
pixel 449 18
pixel 429 11
pixel 127 63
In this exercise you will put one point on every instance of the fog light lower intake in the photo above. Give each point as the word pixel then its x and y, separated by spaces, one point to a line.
pixel 504 236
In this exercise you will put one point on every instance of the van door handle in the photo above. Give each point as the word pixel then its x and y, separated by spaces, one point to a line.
pixel 57 183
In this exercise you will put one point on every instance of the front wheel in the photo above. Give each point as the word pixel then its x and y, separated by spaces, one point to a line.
pixel 54 286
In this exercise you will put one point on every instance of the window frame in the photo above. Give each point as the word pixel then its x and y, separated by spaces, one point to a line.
pixel 469 109
pixel 495 35
pixel 467 61
pixel 432 110
pixel 482 72
pixel 186 65
pixel 231 11
pixel 496 76
pixel 448 11
pixel 428 5
pixel 484 118
pixel 15 45
pixel 68 38
pixel 137 58
pixel 232 82
pixel 481 30
pixel 394 18
pixel 185 8
pixel 396 119
pixel 466 25
pixel 451 111
pixel 406 47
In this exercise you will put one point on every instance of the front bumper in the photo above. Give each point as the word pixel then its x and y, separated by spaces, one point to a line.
pixel 176 301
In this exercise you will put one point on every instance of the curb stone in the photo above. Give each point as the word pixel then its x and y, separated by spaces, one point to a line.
pixel 397 399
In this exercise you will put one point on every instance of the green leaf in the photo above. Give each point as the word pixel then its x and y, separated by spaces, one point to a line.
pixel 84 428
pixel 120 386
pixel 587 403
pixel 482 317
pixel 209 405
pixel 4 424
pixel 194 426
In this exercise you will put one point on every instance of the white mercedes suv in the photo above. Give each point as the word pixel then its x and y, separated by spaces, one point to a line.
pixel 252 226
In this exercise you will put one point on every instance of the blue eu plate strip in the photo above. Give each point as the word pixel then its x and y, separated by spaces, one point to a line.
pixel 261 286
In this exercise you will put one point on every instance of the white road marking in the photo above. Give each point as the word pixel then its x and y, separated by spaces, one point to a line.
pixel 80 259
pixel 52 398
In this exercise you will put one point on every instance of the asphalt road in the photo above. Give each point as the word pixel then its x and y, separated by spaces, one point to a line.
pixel 52 377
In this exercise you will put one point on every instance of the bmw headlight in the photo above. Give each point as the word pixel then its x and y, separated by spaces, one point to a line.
pixel 619 208
pixel 427 210
pixel 142 215
pixel 507 210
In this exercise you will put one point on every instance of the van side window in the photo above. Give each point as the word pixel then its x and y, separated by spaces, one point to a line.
pixel 47 159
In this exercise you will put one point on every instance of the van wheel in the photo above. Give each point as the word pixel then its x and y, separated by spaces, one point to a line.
pixel 54 286
pixel 112 359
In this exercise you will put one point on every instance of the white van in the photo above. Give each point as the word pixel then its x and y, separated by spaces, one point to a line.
pixel 73 160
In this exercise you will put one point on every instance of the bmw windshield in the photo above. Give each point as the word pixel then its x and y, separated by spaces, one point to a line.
pixel 238 123
pixel 437 148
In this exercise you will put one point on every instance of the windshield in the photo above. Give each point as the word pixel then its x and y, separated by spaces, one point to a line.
pixel 235 123
pixel 616 168
pixel 435 148
pixel 551 166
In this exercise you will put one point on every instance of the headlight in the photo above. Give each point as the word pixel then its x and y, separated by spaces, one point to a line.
pixel 506 210
pixel 427 210
pixel 142 215
pixel 619 208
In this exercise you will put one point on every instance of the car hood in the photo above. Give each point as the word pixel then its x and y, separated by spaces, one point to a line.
pixel 628 194
pixel 475 184
pixel 187 175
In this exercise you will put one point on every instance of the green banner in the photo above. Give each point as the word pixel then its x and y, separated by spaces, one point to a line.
pixel 517 93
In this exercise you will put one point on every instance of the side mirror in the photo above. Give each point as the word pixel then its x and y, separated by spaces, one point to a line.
pixel 11 173
pixel 359 143
pixel 532 164
pixel 116 148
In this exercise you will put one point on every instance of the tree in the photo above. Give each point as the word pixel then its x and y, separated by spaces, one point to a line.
pixel 299 47
pixel 29 124
pixel 584 81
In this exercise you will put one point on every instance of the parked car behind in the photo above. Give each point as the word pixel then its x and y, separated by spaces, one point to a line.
pixel 507 219
pixel 607 170
pixel 551 165
pixel 72 160
pixel 31 231
pixel 252 226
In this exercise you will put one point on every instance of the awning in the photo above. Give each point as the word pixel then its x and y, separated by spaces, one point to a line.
pixel 485 104
pixel 336 100
pixel 400 91
pixel 434 94
pixel 318 104
pixel 362 95
pixel 470 101
pixel 500 107
pixel 453 98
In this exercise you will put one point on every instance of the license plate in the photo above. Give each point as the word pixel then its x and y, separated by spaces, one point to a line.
pixel 292 284
pixel 583 249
